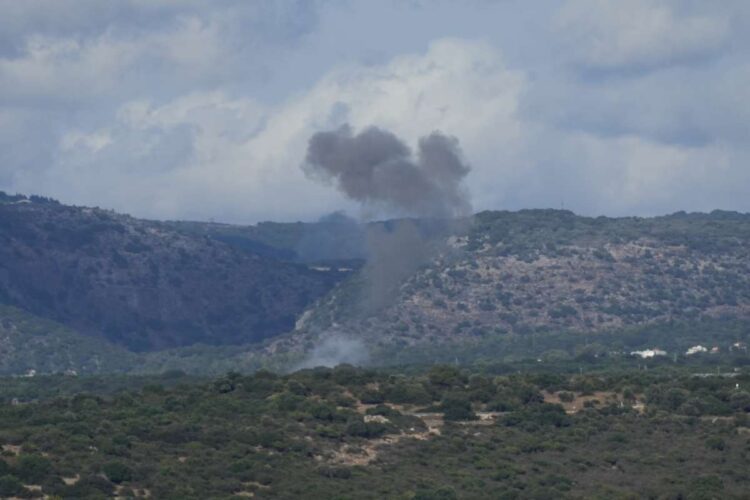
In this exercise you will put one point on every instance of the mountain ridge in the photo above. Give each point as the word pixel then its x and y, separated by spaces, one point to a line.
pixel 278 291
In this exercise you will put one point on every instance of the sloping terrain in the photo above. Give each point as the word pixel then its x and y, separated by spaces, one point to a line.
pixel 141 284
pixel 31 345
pixel 538 271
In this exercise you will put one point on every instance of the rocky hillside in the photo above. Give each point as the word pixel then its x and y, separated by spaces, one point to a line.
pixel 142 284
pixel 534 271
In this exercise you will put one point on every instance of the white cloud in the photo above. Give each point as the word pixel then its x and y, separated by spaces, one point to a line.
pixel 91 142
pixel 615 34
pixel 156 160
pixel 190 53
pixel 460 88
pixel 88 57
pixel 208 154
pixel 154 112
pixel 259 23
pixel 633 175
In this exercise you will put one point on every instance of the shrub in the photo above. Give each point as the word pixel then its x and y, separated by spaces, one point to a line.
pixel 371 397
pixel 566 397
pixel 323 411
pixel 740 401
pixel 335 472
pixel 287 401
pixel 457 407
pixel 437 494
pixel 707 487
pixel 408 393
pixel 10 486
pixel 33 468
pixel 260 385
pixel 89 487
pixel 446 376
pixel 383 410
pixel 538 415
pixel 715 443
pixel 368 430
pixel 224 386
pixel 117 472
pixel 563 311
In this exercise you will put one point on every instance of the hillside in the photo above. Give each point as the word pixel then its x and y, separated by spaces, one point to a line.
pixel 141 284
pixel 32 345
pixel 213 297
pixel 536 271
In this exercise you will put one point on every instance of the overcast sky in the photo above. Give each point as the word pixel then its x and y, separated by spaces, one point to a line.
pixel 203 109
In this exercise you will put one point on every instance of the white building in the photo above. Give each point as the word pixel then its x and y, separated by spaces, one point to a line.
pixel 695 350
pixel 649 353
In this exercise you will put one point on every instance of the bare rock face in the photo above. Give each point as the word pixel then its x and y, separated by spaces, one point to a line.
pixel 142 284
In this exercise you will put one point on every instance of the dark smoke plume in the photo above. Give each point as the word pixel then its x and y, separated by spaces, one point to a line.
pixel 377 169
pixel 394 253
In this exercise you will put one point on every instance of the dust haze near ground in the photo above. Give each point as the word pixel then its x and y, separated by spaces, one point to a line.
pixel 336 350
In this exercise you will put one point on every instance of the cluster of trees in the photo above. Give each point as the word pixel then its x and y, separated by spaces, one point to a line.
pixel 15 198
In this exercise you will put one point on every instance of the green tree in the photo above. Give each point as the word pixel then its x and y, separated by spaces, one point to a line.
pixel 445 376
pixel 740 401
pixel 436 494
pixel 457 407
pixel 10 486
pixel 33 468
pixel 117 472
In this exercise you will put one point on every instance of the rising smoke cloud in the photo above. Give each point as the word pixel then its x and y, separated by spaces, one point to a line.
pixel 378 169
